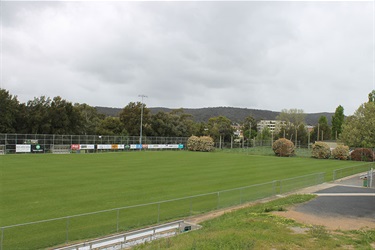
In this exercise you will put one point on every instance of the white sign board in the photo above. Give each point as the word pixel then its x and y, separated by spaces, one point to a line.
pixel 23 148
pixel 87 146
pixel 104 146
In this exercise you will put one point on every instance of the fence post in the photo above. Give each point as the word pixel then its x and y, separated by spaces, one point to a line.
pixel 191 206
pixel 118 217
pixel 67 229
pixel 274 187
pixel 158 212
pixel 281 187
pixel 241 196
pixel 2 238
pixel 218 200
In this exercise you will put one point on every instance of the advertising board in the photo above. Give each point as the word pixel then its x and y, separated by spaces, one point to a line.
pixel 157 146
pixel 87 146
pixel 37 148
pixel 75 147
pixel 23 148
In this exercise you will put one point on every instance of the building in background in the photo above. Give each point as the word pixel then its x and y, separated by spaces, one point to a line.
pixel 272 125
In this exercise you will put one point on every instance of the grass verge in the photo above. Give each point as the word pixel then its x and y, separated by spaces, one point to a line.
pixel 255 228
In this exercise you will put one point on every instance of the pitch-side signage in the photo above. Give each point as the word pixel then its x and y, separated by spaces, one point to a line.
pixel 87 146
pixel 104 146
pixel 23 148
pixel 157 146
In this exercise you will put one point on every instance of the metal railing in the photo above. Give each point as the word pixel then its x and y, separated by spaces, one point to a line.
pixel 9 142
pixel 57 231
pixel 359 168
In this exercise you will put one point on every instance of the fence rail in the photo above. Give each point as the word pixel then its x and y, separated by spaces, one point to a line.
pixel 57 231
pixel 46 142
pixel 343 172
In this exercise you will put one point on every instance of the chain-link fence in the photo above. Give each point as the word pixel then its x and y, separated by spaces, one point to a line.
pixel 52 232
pixel 45 143
pixel 359 168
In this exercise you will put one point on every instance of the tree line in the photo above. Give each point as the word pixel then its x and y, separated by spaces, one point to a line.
pixel 44 115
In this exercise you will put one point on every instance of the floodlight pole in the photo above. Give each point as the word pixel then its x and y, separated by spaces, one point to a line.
pixel 140 136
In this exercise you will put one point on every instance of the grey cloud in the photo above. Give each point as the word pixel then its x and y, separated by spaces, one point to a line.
pixel 270 55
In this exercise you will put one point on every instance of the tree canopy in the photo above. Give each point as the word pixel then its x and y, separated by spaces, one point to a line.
pixel 337 121
pixel 359 129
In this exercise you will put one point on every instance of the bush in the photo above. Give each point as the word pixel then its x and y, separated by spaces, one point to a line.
pixel 321 150
pixel 202 144
pixel 283 147
pixel 362 154
pixel 341 152
pixel 193 143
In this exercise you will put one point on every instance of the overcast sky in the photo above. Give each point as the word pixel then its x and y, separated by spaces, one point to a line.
pixel 251 54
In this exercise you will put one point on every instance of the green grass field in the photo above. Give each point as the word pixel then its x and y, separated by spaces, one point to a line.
pixel 41 187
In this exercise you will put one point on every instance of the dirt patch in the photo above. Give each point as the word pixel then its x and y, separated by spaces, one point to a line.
pixel 211 215
pixel 330 222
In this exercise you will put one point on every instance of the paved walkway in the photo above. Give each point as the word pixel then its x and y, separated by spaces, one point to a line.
pixel 345 197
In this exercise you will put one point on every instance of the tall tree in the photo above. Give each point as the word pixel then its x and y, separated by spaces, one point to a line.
pixel 63 117
pixel 220 126
pixel 130 116
pixel 249 127
pixel 90 118
pixel 322 131
pixel 337 121
pixel 110 126
pixel 371 96
pixel 293 125
pixel 359 130
pixel 38 115
pixel 295 117
pixel 9 107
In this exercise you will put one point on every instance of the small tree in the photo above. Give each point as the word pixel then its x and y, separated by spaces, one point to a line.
pixel 283 147
pixel 362 154
pixel 341 152
pixel 321 150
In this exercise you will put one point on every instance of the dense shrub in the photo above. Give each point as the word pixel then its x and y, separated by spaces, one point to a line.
pixel 341 152
pixel 362 154
pixel 283 147
pixel 203 144
pixel 193 143
pixel 321 150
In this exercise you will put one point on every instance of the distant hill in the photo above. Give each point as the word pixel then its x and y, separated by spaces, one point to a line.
pixel 234 114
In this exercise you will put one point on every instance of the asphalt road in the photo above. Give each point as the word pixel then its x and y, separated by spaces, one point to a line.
pixel 342 201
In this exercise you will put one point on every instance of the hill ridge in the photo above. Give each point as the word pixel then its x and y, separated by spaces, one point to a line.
pixel 236 115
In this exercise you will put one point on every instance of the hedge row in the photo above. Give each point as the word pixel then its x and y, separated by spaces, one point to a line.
pixel 320 150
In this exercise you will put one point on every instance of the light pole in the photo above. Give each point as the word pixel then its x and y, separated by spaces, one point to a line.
pixel 140 136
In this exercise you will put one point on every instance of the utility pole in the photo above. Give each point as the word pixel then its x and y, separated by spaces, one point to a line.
pixel 140 135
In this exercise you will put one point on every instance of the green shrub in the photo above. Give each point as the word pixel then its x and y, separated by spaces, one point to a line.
pixel 362 154
pixel 321 150
pixel 283 147
pixel 202 144
pixel 341 152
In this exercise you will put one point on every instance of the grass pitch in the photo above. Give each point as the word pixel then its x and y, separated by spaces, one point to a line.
pixel 40 187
